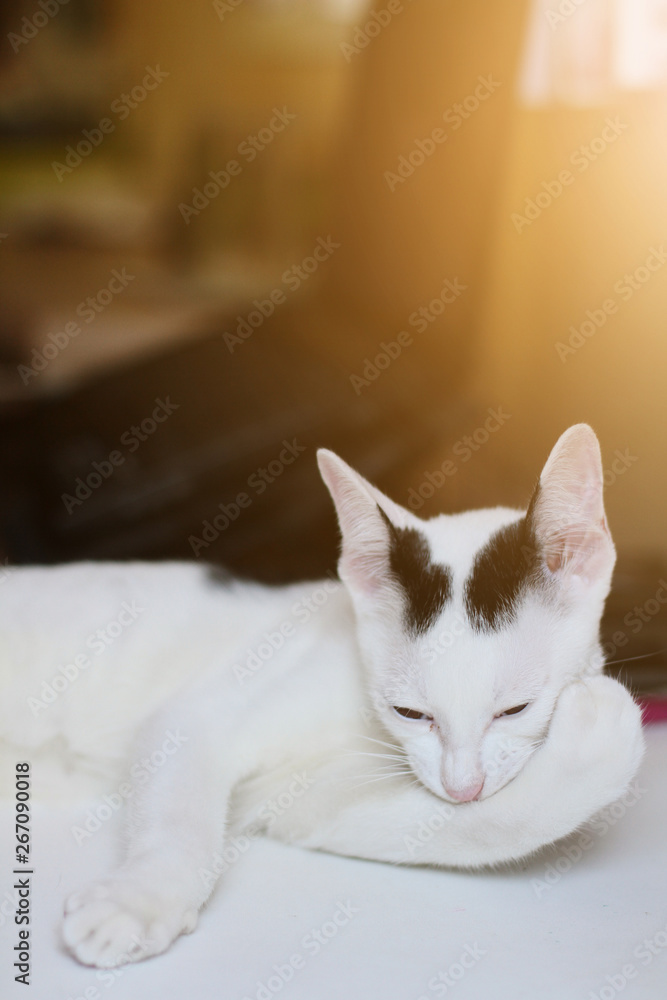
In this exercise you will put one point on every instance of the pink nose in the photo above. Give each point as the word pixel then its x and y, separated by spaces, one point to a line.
pixel 467 793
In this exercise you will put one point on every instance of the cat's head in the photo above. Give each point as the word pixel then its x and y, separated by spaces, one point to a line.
pixel 471 624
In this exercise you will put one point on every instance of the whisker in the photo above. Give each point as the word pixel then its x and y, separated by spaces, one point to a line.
pixel 382 777
pixel 386 770
pixel 416 781
pixel 630 659
pixel 381 774
pixel 392 746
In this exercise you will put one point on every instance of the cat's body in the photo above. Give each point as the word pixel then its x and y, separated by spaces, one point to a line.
pixel 177 624
pixel 464 649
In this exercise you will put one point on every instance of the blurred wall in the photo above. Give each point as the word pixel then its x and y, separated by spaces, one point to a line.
pixel 550 350
pixel 539 256
pixel 419 172
pixel 447 66
pixel 227 73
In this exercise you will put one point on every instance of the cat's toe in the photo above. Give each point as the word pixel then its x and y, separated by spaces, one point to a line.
pixel 104 934
pixel 76 899
pixel 116 941
pixel 110 925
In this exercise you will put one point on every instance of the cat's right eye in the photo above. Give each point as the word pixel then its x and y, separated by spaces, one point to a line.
pixel 412 713
pixel 513 711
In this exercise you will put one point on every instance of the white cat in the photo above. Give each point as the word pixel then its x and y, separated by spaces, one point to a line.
pixel 444 704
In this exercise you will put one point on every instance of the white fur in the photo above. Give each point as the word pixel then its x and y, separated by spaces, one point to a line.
pixel 308 722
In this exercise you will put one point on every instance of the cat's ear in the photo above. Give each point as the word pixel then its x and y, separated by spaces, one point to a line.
pixel 567 510
pixel 364 561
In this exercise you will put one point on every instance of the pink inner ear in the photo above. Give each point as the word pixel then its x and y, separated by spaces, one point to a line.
pixel 582 550
pixel 362 572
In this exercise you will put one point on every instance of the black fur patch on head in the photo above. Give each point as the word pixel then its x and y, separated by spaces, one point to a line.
pixel 425 584
pixel 502 572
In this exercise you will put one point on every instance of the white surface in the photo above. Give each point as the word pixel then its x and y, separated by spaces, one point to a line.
pixel 557 944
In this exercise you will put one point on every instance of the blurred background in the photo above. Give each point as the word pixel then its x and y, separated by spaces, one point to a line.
pixel 427 234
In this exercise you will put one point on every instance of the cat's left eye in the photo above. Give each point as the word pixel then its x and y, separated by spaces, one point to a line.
pixel 412 713
pixel 513 711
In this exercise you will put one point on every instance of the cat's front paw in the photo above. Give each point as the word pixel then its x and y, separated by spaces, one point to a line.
pixel 118 921
pixel 597 727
